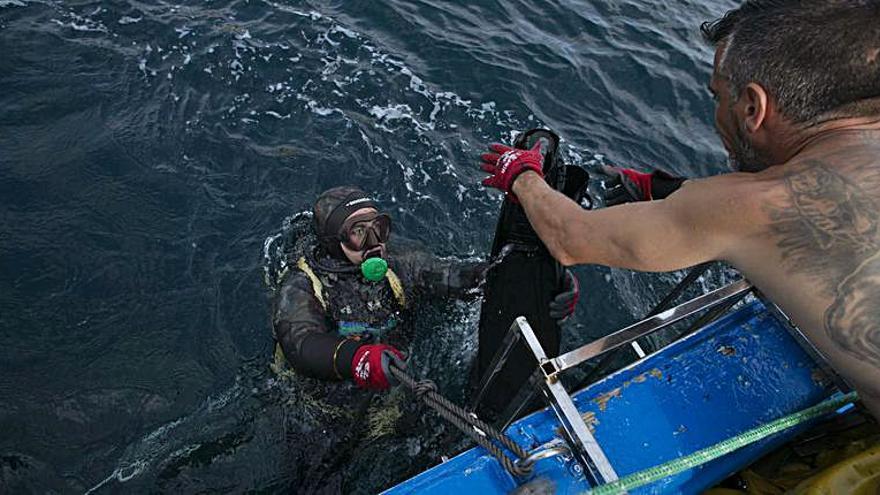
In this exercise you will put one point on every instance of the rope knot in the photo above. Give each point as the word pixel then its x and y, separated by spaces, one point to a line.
pixel 423 387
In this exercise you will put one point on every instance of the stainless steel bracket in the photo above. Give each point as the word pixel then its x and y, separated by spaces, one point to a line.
pixel 644 327
pixel 511 339
pixel 584 446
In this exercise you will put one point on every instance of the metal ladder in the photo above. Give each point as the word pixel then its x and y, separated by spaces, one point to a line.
pixel 582 444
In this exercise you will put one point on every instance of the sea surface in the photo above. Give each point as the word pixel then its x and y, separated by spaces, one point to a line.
pixel 150 149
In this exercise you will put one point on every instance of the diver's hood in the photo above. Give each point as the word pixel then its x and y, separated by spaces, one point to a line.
pixel 339 203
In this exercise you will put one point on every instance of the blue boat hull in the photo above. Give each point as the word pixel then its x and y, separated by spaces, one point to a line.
pixel 741 371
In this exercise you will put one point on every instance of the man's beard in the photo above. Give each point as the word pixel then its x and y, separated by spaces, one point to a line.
pixel 743 156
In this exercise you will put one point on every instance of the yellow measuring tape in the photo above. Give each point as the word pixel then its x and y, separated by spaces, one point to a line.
pixel 700 457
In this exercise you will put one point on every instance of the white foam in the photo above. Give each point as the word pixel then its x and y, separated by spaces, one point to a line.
pixel 400 111
pixel 347 32
pixel 277 115
pixel 325 38
pixel 315 108
pixel 88 27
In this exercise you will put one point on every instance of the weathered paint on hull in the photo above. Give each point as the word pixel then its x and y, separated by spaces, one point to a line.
pixel 741 371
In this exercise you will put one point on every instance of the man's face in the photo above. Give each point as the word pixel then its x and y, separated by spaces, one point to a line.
pixel 357 257
pixel 742 154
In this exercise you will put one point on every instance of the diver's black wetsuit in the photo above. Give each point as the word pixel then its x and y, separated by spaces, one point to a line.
pixel 349 431
pixel 316 340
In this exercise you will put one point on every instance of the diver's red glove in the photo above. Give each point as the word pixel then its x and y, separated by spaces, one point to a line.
pixel 562 306
pixel 370 366
pixel 506 163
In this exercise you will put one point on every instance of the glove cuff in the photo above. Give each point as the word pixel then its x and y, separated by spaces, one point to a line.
pixel 343 358
pixel 526 167
pixel 663 184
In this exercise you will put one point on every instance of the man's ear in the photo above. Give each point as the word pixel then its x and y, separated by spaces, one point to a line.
pixel 755 107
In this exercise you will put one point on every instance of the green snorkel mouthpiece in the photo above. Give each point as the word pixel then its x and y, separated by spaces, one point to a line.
pixel 374 269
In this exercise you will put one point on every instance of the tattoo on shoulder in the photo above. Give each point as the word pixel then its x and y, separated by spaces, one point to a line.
pixel 827 228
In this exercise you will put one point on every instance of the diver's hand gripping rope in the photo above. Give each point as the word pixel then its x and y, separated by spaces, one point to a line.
pixel 478 430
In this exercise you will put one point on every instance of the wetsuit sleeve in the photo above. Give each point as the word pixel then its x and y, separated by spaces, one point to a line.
pixel 301 328
pixel 440 277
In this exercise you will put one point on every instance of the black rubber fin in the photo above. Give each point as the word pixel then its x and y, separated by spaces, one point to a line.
pixel 524 282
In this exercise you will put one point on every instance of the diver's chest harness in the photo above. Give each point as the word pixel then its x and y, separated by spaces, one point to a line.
pixel 357 303
pixel 358 307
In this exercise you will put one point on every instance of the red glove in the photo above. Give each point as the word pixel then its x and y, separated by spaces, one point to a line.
pixel 370 366
pixel 641 180
pixel 506 163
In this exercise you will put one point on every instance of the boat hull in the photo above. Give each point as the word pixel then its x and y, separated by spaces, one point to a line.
pixel 737 373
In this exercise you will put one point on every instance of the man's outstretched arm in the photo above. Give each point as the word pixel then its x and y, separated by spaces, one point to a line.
pixel 693 225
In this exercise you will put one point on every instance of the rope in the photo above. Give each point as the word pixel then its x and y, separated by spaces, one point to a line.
pixel 478 430
pixel 700 457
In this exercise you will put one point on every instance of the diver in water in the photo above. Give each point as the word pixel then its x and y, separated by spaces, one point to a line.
pixel 344 303
pixel 338 314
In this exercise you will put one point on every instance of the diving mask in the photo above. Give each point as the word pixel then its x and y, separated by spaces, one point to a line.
pixel 365 232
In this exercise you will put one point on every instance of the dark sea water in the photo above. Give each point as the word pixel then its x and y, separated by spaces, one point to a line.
pixel 149 149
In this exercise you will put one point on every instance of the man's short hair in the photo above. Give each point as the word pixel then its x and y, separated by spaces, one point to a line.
pixel 816 58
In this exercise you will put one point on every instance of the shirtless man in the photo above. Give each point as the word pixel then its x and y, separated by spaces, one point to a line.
pixel 797 87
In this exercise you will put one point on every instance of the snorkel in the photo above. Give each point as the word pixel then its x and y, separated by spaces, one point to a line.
pixel 374 269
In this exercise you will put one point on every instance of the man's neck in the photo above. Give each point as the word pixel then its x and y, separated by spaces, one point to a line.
pixel 808 139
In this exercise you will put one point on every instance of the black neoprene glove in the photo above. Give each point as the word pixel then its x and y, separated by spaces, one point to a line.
pixel 625 185
pixel 563 305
